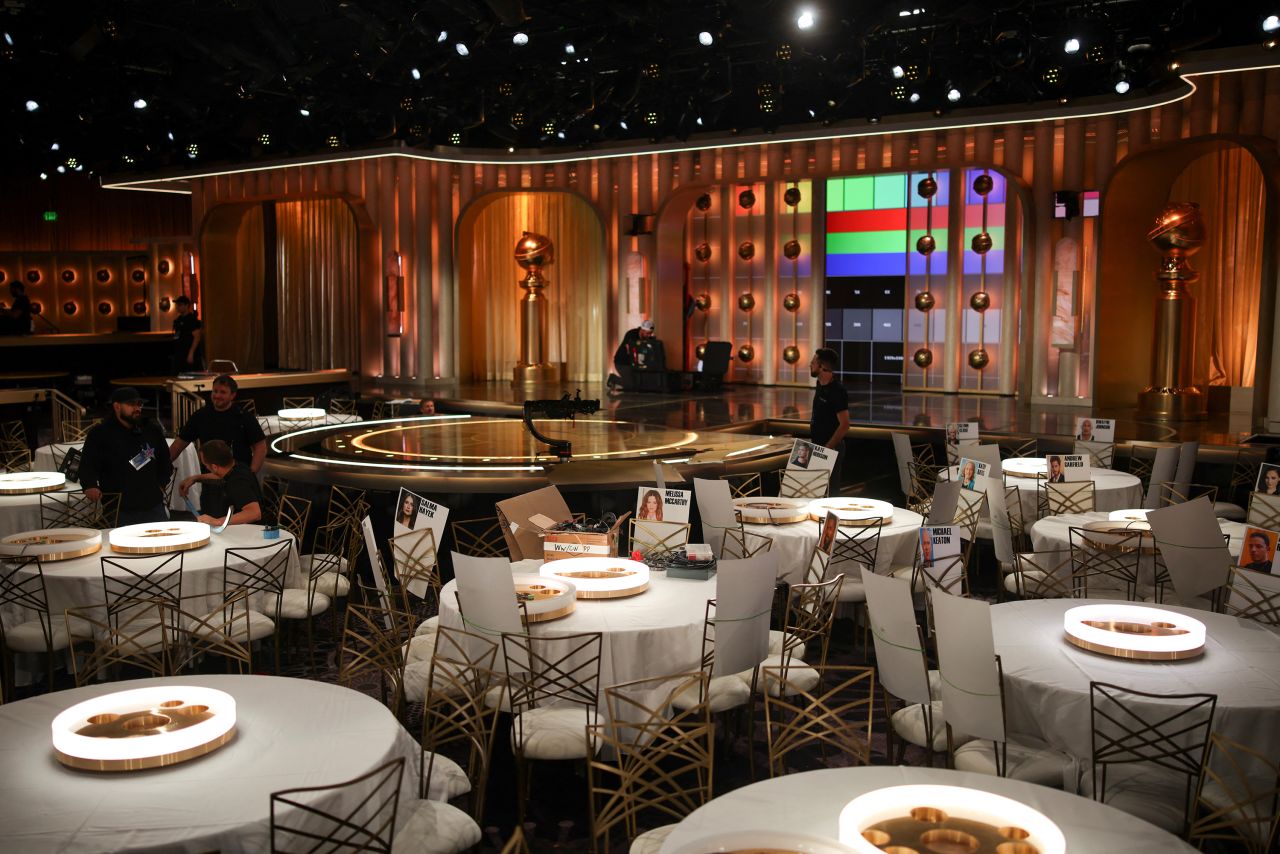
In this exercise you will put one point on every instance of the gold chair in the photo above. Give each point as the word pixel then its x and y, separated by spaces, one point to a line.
pixel 1041 575
pixel 70 510
pixel 323 570
pixel 1063 498
pixel 479 537
pixel 298 403
pixel 948 574
pixel 1244 474
pixel 345 503
pixel 799 483
pixel 811 611
pixel 1100 454
pixel 1180 493
pixel 259 570
pixel 744 485
pixel 373 639
pixel 661 760
pixel 302 820
pixel 1141 462
pixel 517 843
pixel 273 488
pixel 380 410
pixel 1252 595
pixel 15 458
pixel 1130 738
pixel 134 636
pixel 1106 563
pixel 130 584
pixel 77 431
pixel 246 404
pixel 740 544
pixel 857 545
pixel 1231 805
pixel 1018 531
pixel 924 479
pixel 648 536
pixel 13 433
pixel 334 550
pixel 195 635
pixel 292 516
pixel 1020 449
pixel 1264 511
pixel 39 632
pixel 416 561
pixel 837 712
pixel 342 406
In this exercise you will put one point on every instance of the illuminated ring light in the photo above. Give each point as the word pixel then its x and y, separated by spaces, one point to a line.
pixel 851 510
pixel 301 417
pixel 144 728
pixel 31 482
pixel 52 544
pixel 1031 467
pixel 545 598
pixel 956 817
pixel 1134 631
pixel 152 538
pixel 759 510
pixel 761 841
pixel 1135 515
pixel 599 577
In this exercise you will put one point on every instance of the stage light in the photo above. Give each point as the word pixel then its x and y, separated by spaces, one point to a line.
pixel 140 104
pixel 898 72
pixel 333 141
pixel 264 138
pixel 1122 83
pixel 462 49
pixel 455 138
pixel 568 47
pixel 698 121
pixel 170 135
pixel 304 112
pixel 953 94
pixel 415 74
pixel 32 106
pixel 193 151
pixel 898 92
pixel 8 39
pixel 623 124
pixel 805 19
pixel 443 37
pixel 44 176
pixel 1072 45
pixel 127 159
pixel 62 170
pixel 72 163
pixel 705 38
pixel 1271 23
pixel 559 134
pixel 520 39
pixel 914 97
pixel 511 149
pixel 54 147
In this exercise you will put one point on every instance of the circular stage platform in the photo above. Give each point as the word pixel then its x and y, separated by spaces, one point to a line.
pixel 466 453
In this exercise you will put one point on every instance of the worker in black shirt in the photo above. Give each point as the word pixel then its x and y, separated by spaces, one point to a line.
pixel 188 335
pixel 222 419
pixel 127 453
pixel 829 420
pixel 18 317
pixel 240 492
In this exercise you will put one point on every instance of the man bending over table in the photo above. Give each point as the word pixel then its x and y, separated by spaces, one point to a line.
pixel 240 491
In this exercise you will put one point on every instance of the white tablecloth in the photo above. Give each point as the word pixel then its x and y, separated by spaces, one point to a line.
pixel 22 512
pixel 271 423
pixel 809 803
pixel 793 544
pixel 1047 679
pixel 289 733
pixel 1054 532
pixel 655 633
pixel 1112 490
pixel 187 464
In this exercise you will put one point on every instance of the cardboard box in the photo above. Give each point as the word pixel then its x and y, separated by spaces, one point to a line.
pixel 557 545
pixel 524 536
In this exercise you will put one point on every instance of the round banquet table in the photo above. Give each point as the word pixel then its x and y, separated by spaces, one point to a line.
pixel 793 544
pixel 1047 679
pixel 809 803
pixel 289 733
pixel 271 424
pixel 653 633
pixel 1112 490
pixel 187 464
pixel 1054 532
pixel 22 512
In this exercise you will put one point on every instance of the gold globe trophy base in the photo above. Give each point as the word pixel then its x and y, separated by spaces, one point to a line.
pixel 533 375
pixel 1173 404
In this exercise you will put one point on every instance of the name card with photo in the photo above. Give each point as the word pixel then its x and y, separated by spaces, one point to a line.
pixel 811 457
pixel 1268 479
pixel 973 473
pixel 662 505
pixel 1066 468
pixel 415 513
pixel 962 431
pixel 1258 550
pixel 1090 429
pixel 937 542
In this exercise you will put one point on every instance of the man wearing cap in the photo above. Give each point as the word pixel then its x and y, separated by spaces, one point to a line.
pixel 127 453
pixel 640 350
pixel 188 335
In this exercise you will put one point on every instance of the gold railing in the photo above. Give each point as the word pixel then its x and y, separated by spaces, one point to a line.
pixel 63 408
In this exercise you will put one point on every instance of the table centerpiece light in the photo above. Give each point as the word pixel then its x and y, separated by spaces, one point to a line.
pixel 545 598
pixel 599 577
pixel 1031 467
pixel 52 544
pixel 946 818
pixel 1134 515
pixel 31 482
pixel 851 511
pixel 1134 631
pixel 762 510
pixel 306 416
pixel 761 841
pixel 144 728
pixel 150 538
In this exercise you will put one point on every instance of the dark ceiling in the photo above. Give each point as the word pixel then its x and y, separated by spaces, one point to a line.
pixel 226 81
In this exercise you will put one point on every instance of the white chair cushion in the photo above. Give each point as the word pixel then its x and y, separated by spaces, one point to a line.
pixel 420 648
pixel 415 681
pixel 1229 511
pixel 448 780
pixel 260 626
pixel 800 677
pixel 430 625
pixel 983 529
pixel 293 604
pixel 554 732
pixel 650 842
pixel 905 572
pixel 776 641
pixel 1152 794
pixel 908 724
pixel 1029 760
pixel 851 590
pixel 29 636
pixel 332 584
pixel 723 693
pixel 434 827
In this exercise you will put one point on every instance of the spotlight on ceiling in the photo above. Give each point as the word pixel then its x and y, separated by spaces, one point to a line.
pixel 443 37
pixel 193 151
pixel 455 138
pixel 8 39
pixel 140 104
pixel 32 106
pixel 520 39
pixel 914 97
pixel 623 124
pixel 898 72
pixel 44 176
pixel 705 38
pixel 953 94
pixel 54 147
pixel 1270 24
pixel 462 49
pixel 1122 86
pixel 62 170
pixel 332 141
pixel 170 135
pixel 415 74
pixel 1072 45
pixel 698 121
pixel 304 112
pixel 805 20
pixel 568 47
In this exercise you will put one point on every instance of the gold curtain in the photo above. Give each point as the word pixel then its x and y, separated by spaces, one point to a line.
pixel 316 273
pixel 233 276
pixel 1228 186
pixel 489 291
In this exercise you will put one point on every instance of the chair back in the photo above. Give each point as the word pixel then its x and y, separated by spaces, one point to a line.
pixel 1238 799
pixel 258 569
pixel 22 587
pixel 1100 454
pixel 744 594
pixel 1264 511
pixel 836 713
pixel 486 592
pixel 196 633
pixel 1001 526
pixel 1107 560
pixel 740 544
pixel 800 483
pixel 1252 596
pixel 479 537
pixel 811 610
pixel 652 537
pixel 1192 548
pixel 744 485
pixel 76 510
pixel 902 455
pixel 416 562
pixel 128 580
pixel 292 515
pixel 1186 469
pixel 1063 498
pixel 1163 470
pixel 970 676
pixel 969 506
pixel 345 503
pixel 856 547
pixel 1044 575
pixel 373 643
pixel 358 815
pixel 900 656
pixel 134 636
pixel 545 671
pixel 715 509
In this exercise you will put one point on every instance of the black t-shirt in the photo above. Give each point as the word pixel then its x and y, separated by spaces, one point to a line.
pixel 239 489
pixel 21 314
pixel 133 461
pixel 828 402
pixel 184 329
pixel 236 427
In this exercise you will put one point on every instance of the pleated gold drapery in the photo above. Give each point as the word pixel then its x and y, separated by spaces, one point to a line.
pixel 1228 186
pixel 489 290
pixel 316 274
pixel 233 277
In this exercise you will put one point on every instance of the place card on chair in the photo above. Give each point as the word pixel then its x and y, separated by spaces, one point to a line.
pixel 1190 541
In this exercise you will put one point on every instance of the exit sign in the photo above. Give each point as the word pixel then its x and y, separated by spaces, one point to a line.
pixel 50 216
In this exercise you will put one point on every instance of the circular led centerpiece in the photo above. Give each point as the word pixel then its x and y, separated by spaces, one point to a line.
pixel 761 842
pixel 1025 467
pixel 52 544
pixel 545 598
pixel 851 511
pixel 1134 631
pixel 600 577
pixel 31 482
pixel 151 538
pixel 305 416
pixel 1137 515
pixel 946 818
pixel 758 510
pixel 144 728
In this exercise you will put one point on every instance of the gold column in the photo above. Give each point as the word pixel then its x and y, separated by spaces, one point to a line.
pixel 1178 234
pixel 533 252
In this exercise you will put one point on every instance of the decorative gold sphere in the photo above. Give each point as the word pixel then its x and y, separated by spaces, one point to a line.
pixel 981 243
pixel 747 301
pixel 979 359
pixel 746 250
pixel 980 301
pixel 927 188
pixel 746 199
pixel 925 301
pixel 923 357
pixel 791 302
pixel 702 302
pixel 791 354
pixel 792 196
pixel 700 351
pixel 534 251
pixel 926 244
pixel 982 185
pixel 791 249
pixel 704 202
pixel 746 352
pixel 702 252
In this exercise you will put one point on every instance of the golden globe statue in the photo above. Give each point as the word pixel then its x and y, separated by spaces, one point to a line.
pixel 532 253
pixel 1178 234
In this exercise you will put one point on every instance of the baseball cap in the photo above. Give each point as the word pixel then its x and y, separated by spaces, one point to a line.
pixel 125 394
pixel 647 326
